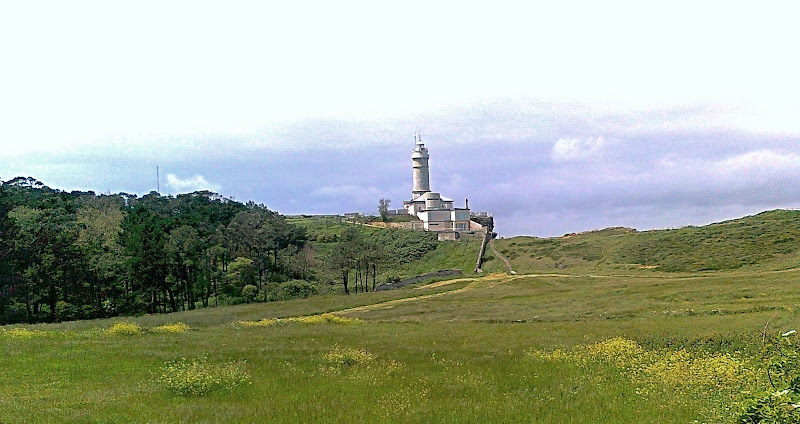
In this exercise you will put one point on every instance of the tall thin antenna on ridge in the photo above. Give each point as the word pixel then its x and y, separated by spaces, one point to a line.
pixel 158 181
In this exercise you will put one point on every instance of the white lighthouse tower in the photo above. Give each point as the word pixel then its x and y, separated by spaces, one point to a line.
pixel 422 179
pixel 435 211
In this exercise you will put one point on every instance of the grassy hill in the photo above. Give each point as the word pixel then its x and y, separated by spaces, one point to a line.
pixel 769 239
pixel 410 252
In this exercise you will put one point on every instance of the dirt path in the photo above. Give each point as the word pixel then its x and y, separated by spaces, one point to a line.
pixel 489 281
pixel 502 258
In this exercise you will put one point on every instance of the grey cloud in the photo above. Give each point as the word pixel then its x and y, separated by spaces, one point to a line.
pixel 646 169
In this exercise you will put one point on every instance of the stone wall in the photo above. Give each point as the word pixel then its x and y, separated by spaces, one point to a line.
pixel 475 229
pixel 447 235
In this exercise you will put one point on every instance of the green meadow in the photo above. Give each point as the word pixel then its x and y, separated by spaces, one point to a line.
pixel 586 331
pixel 496 348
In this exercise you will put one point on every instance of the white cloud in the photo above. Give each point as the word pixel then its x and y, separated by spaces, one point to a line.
pixel 570 149
pixel 760 160
pixel 188 185
pixel 761 164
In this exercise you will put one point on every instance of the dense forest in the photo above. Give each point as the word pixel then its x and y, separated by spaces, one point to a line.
pixel 77 255
pixel 82 255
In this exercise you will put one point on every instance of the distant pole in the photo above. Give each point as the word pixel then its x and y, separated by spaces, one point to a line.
pixel 158 181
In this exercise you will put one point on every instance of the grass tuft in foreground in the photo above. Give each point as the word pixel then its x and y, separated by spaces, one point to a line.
pixel 722 378
pixel 197 377
pixel 348 357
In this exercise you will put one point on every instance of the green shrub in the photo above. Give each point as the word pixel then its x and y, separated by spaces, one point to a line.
pixel 16 312
pixel 249 293
pixel 404 246
pixel 67 311
pixel 296 289
pixel 392 279
pixel 783 404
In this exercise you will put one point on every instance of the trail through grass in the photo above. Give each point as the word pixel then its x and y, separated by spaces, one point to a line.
pixel 474 283
pixel 501 257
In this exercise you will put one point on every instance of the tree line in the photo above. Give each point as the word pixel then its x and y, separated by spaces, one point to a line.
pixel 363 255
pixel 78 255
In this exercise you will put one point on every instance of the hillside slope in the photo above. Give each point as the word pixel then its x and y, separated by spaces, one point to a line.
pixel 408 252
pixel 768 240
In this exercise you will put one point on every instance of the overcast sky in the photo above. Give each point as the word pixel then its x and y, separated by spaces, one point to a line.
pixel 556 117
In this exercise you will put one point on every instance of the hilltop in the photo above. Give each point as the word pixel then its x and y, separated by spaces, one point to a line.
pixel 767 240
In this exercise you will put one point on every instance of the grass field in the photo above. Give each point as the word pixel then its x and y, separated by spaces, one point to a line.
pixel 611 326
pixel 498 349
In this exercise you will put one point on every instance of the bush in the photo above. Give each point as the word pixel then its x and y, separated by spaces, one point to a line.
pixel 131 304
pixel 109 308
pixel 68 312
pixel 781 404
pixel 296 289
pixel 404 246
pixel 16 312
pixel 249 293
pixel 392 279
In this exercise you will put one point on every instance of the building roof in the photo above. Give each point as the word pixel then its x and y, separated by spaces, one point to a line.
pixel 427 195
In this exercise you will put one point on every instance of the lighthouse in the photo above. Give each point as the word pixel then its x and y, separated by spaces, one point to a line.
pixel 435 212
pixel 422 179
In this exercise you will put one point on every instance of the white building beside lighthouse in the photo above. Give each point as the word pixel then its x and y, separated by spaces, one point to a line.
pixel 436 212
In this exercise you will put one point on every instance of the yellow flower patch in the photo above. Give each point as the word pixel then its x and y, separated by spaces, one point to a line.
pixel 323 318
pixel 20 333
pixel 266 322
pixel 124 328
pixel 176 328
pixel 312 319
pixel 198 376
